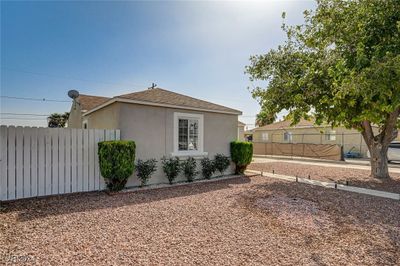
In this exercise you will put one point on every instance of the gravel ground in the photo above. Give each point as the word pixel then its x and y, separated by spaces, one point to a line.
pixel 246 220
pixel 355 177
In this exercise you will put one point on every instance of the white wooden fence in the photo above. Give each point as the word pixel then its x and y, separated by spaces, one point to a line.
pixel 49 161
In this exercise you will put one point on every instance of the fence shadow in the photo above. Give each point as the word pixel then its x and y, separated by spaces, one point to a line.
pixel 38 208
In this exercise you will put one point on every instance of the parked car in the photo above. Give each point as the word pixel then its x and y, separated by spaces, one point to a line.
pixel 393 151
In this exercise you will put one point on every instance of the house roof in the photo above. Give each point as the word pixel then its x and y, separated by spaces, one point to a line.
pixel 89 102
pixel 160 97
pixel 241 124
pixel 286 124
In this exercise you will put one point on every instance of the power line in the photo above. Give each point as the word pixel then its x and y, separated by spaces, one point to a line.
pixel 24 114
pixel 34 99
pixel 19 118
pixel 70 78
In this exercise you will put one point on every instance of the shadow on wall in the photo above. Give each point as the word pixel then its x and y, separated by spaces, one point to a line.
pixel 31 209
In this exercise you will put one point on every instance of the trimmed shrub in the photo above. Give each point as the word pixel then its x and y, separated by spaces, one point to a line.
pixel 207 168
pixel 117 162
pixel 145 169
pixel 189 168
pixel 171 168
pixel 241 155
pixel 221 163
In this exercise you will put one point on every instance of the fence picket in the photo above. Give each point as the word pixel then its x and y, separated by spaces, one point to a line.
pixel 41 162
pixel 11 191
pixel 61 161
pixel 92 143
pixel 27 132
pixel 85 160
pixel 34 162
pixel 3 162
pixel 74 162
pixel 48 157
pixel 19 171
pixel 79 180
pixel 54 161
pixel 67 136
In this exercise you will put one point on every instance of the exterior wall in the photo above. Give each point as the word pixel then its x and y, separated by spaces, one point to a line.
pixel 105 118
pixel 241 133
pixel 152 129
pixel 75 116
pixel 350 139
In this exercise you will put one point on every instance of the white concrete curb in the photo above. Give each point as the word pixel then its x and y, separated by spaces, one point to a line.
pixel 333 185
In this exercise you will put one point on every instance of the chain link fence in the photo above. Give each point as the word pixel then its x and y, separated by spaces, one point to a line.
pixel 315 145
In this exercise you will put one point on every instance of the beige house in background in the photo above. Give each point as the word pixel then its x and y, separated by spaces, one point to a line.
pixel 307 132
pixel 162 123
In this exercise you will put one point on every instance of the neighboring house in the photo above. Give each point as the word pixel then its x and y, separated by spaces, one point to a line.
pixel 162 123
pixel 248 134
pixel 241 126
pixel 307 132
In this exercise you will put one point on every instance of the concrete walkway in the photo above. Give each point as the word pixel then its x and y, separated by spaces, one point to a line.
pixel 321 163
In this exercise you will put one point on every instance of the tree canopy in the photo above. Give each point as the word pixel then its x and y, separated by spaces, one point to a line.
pixel 57 120
pixel 263 118
pixel 342 66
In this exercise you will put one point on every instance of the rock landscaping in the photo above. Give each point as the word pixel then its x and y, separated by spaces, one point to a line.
pixel 244 220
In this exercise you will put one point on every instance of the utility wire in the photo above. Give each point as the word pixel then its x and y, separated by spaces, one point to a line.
pixel 34 99
pixel 70 78
pixel 26 119
pixel 23 114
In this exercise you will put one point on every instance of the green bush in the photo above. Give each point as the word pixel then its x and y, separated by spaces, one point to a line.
pixel 171 168
pixel 207 168
pixel 221 163
pixel 145 169
pixel 189 168
pixel 241 155
pixel 117 162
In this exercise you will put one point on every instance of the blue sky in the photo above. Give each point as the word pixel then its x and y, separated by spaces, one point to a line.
pixel 109 48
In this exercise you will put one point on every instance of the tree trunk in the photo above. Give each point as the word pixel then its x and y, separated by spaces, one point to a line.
pixel 379 160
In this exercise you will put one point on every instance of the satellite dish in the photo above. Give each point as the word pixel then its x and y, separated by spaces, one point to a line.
pixel 73 94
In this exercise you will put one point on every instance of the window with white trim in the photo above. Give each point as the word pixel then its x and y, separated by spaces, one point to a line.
pixel 287 136
pixel 330 135
pixel 264 136
pixel 188 134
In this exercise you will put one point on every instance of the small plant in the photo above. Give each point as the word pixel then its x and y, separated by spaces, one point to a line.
pixel 189 168
pixel 117 162
pixel 171 168
pixel 207 168
pixel 241 154
pixel 145 169
pixel 221 163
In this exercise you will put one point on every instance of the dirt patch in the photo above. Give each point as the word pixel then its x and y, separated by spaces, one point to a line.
pixel 296 213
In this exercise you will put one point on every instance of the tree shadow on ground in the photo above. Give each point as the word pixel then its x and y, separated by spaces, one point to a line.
pixel 346 208
pixel 353 220
pixel 38 208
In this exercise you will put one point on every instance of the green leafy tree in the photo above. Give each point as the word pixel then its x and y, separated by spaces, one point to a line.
pixel 57 120
pixel 343 67
pixel 263 118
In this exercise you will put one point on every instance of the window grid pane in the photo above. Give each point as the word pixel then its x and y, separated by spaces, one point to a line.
pixel 193 134
pixel 183 135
